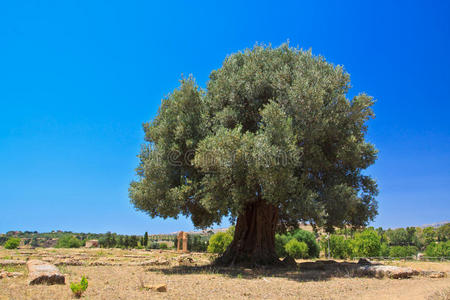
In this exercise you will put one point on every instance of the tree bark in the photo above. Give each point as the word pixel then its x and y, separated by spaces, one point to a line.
pixel 254 237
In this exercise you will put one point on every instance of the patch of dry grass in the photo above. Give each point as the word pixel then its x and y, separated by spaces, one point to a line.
pixel 207 282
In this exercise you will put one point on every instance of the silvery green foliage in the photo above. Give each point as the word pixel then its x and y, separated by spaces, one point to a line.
pixel 272 123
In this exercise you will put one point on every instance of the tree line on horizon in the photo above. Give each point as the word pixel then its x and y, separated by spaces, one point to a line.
pixel 343 243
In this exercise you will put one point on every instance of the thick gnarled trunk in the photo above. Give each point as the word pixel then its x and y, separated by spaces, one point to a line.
pixel 254 237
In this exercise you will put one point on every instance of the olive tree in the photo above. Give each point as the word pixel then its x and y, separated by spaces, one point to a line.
pixel 273 140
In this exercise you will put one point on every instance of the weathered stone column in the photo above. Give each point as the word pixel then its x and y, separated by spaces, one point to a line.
pixel 185 242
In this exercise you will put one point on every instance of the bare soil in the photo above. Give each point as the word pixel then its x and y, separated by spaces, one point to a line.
pixel 127 274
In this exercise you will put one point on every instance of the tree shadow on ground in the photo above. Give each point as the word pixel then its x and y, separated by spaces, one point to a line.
pixel 321 270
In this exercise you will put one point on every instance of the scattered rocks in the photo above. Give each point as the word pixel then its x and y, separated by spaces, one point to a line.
pixel 152 262
pixel 15 262
pixel 41 272
pixel 364 262
pixel 69 262
pixel 380 271
pixel 433 274
pixel 157 288
pixel 133 256
pixel 100 263
pixel 185 260
pixel 47 259
pixel 5 274
pixel 363 268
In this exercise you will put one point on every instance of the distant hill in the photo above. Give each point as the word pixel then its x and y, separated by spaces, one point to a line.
pixel 434 225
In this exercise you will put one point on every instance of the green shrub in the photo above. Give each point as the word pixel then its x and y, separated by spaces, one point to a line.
pixel 296 249
pixel 339 246
pixel 300 235
pixel 12 243
pixel 197 243
pixel 153 245
pixel 231 230
pixel 403 251
pixel 34 242
pixel 68 241
pixel 219 242
pixel 385 251
pixel 163 246
pixel 280 242
pixel 310 239
pixel 441 249
pixel 366 244
pixel 79 288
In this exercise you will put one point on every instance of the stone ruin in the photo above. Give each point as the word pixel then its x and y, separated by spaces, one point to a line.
pixel 182 239
pixel 92 244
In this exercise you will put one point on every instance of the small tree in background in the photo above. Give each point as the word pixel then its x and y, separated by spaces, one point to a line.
pixel 310 239
pixel 34 242
pixel 280 242
pixel 68 241
pixel 443 233
pixel 385 250
pixel 403 251
pixel 300 235
pixel 296 249
pixel 366 244
pixel 340 247
pixel 219 242
pixel 145 239
pixel 429 235
pixel 12 243
pixel 441 249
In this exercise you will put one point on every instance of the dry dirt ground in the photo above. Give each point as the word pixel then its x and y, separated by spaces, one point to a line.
pixel 125 274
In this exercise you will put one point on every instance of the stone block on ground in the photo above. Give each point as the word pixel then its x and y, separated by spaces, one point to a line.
pixel 434 274
pixel 364 262
pixel 14 262
pixel 151 262
pixel 5 274
pixel 41 272
pixel 157 287
pixel 387 271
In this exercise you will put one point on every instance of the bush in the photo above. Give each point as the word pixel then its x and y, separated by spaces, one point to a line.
pixel 153 245
pixel 219 242
pixel 163 246
pixel 34 242
pixel 68 241
pixel 280 242
pixel 296 249
pixel 441 249
pixel 79 288
pixel 339 246
pixel 309 238
pixel 12 243
pixel 385 251
pixel 366 244
pixel 197 243
pixel 402 251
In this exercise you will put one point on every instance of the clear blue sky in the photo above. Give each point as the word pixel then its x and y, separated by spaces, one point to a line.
pixel 78 78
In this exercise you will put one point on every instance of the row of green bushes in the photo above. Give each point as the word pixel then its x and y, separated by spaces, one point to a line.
pixel 368 243
pixel 441 249
pixel 298 244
